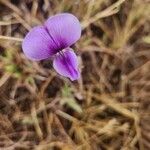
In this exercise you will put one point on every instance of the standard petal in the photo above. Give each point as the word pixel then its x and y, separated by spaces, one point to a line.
pixel 66 64
pixel 65 29
pixel 38 45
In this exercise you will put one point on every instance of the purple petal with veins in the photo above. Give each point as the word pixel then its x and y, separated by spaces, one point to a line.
pixel 66 64
pixel 38 45
pixel 65 29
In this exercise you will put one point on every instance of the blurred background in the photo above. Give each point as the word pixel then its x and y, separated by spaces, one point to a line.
pixel 108 108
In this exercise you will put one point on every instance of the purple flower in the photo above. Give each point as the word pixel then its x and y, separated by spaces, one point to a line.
pixel 54 38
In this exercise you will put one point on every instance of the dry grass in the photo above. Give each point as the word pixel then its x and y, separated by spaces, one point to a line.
pixel 107 109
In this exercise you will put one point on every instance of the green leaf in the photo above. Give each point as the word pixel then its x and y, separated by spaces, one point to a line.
pixel 69 100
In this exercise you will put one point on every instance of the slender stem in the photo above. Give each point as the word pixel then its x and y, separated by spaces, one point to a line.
pixel 10 38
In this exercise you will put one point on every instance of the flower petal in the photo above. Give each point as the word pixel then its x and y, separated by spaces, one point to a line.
pixel 66 64
pixel 64 28
pixel 38 45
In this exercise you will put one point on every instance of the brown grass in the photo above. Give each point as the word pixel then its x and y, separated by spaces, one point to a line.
pixel 107 109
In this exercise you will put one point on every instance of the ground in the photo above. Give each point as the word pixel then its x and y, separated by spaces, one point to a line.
pixel 108 108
